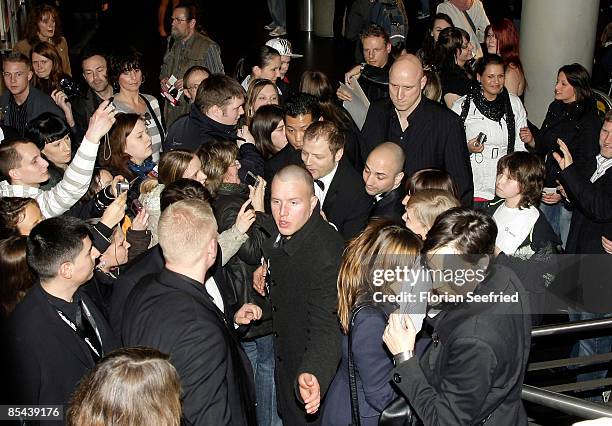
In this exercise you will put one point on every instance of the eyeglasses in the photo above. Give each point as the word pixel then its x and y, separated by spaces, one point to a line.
pixel 180 19
pixel 490 36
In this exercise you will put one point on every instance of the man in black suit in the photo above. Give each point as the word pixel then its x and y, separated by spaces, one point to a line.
pixel 56 334
pixel 337 185
pixel 431 135
pixel 303 260
pixel 382 174
pixel 590 230
pixel 182 313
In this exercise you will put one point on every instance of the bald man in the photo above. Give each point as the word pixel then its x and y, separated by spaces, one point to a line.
pixel 430 134
pixel 303 261
pixel 382 174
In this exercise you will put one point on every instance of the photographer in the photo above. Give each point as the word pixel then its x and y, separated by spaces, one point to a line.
pixel 474 369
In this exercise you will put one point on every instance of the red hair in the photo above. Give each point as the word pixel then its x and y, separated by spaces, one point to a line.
pixel 507 41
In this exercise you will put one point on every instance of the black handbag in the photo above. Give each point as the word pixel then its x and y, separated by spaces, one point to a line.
pixel 398 412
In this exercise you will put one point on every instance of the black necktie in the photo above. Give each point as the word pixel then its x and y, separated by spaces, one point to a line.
pixel 320 184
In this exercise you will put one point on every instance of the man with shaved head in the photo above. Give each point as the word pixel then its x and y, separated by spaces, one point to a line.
pixel 303 260
pixel 430 134
pixel 382 174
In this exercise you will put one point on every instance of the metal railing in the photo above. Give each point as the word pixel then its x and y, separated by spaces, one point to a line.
pixel 572 327
pixel 566 404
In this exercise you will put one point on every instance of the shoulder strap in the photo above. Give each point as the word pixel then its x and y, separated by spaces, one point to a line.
pixel 469 19
pixel 160 127
pixel 355 417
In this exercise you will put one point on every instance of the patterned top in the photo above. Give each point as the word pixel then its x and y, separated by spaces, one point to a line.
pixel 68 191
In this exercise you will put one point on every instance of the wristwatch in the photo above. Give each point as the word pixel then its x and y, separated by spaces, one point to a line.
pixel 402 357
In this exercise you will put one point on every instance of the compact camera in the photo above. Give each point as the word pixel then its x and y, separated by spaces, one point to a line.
pixel 70 87
pixel 122 187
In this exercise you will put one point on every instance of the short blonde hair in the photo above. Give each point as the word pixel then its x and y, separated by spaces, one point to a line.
pixel 428 204
pixel 129 386
pixel 185 228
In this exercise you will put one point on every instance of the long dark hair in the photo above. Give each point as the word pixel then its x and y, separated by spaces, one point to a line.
pixel 449 42
pixel 580 80
pixel 48 51
pixel 264 122
pixel 16 275
pixel 112 155
pixel 429 44
pixel 257 57
pixel 317 84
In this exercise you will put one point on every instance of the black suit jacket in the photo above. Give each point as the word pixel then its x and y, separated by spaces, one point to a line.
pixel 303 275
pixel 347 205
pixel 152 262
pixel 476 364
pixel 390 205
pixel 591 219
pixel 434 138
pixel 175 314
pixel 47 356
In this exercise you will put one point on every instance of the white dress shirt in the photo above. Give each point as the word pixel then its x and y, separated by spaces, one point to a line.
pixel 327 180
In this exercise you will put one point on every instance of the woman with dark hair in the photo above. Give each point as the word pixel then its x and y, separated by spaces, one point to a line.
pixel 268 130
pixel 317 84
pixel 493 119
pixel 51 135
pixel 573 118
pixel 261 92
pixel 18 216
pixel 47 67
pixel 128 150
pixel 44 25
pixel 16 275
pixel 381 246
pixel 439 22
pixel 125 74
pixel 473 371
pixel 502 38
pixel 452 53
pixel 261 62
pixel 128 386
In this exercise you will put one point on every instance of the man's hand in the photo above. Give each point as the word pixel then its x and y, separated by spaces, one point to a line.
pixel 245 217
pixel 567 159
pixel 259 280
pixel 247 313
pixel 115 211
pixel 400 334
pixel 606 244
pixel 164 83
pixel 101 122
pixel 473 147
pixel 114 183
pixel 178 84
pixel 310 392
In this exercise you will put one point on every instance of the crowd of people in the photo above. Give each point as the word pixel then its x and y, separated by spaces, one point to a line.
pixel 226 253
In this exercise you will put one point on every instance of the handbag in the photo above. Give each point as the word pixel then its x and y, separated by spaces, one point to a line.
pixel 398 412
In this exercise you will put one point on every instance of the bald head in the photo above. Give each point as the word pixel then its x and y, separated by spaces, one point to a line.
pixel 384 168
pixel 406 81
pixel 292 198
pixel 295 174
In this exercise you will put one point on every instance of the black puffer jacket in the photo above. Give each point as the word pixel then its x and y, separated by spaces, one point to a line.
pixel 239 270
